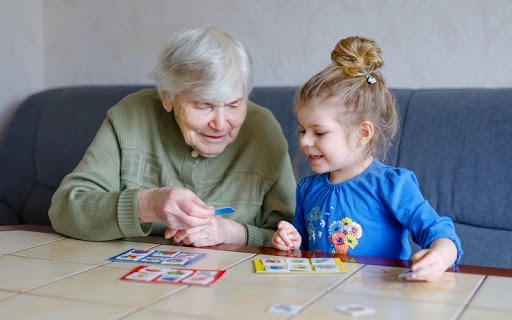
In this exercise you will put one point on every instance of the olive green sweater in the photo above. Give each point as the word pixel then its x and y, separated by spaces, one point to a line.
pixel 139 145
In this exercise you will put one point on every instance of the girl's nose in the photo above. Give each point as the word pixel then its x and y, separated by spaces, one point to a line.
pixel 305 140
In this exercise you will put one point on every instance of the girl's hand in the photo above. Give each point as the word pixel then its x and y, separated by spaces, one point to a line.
pixel 430 264
pixel 286 237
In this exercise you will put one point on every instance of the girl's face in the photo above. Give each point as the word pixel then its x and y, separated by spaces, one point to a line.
pixel 326 143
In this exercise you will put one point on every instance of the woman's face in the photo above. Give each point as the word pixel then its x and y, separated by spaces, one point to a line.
pixel 209 126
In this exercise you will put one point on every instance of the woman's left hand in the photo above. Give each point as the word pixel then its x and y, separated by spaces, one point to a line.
pixel 217 231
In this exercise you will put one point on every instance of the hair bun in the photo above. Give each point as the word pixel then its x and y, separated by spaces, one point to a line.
pixel 355 54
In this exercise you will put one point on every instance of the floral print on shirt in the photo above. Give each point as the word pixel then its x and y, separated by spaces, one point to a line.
pixel 343 234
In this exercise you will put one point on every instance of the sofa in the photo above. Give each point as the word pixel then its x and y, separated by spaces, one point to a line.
pixel 457 141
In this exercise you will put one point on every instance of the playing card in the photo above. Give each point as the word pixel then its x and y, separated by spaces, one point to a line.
pixel 326 267
pixel 304 261
pixel 323 261
pixel 277 268
pixel 224 210
pixel 299 267
pixel 355 309
pixel 273 262
pixel 291 309
pixel 408 272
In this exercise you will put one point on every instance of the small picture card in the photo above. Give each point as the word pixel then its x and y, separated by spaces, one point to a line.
pixel 355 309
pixel 273 262
pixel 176 276
pixel 224 210
pixel 408 272
pixel 294 261
pixel 277 268
pixel 323 261
pixel 299 267
pixel 165 254
pixel 326 267
pixel 169 258
pixel 291 309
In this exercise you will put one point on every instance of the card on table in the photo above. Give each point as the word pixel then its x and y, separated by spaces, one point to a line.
pixel 162 257
pixel 170 275
pixel 299 265
pixel 408 272
pixel 355 309
pixel 291 309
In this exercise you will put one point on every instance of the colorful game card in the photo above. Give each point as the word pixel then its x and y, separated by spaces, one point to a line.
pixel 168 258
pixel 176 276
pixel 273 262
pixel 299 265
pixel 323 261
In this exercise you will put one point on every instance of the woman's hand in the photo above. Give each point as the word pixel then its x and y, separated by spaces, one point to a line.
pixel 178 207
pixel 286 237
pixel 218 230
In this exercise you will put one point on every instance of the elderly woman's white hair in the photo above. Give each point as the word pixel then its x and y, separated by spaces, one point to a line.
pixel 206 63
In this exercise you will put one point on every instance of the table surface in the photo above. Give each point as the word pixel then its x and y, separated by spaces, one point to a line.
pixel 45 275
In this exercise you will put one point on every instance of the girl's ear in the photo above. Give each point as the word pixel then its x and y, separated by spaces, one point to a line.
pixel 167 102
pixel 365 133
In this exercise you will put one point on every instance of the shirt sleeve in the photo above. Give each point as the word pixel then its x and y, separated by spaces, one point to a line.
pixel 278 204
pixel 299 219
pixel 89 203
pixel 405 200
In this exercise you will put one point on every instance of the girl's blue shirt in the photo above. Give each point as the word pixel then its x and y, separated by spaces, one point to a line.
pixel 368 215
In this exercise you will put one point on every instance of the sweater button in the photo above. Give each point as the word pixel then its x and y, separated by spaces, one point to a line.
pixel 194 154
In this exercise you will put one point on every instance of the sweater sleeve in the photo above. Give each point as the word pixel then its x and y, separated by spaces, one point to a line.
pixel 406 202
pixel 278 204
pixel 89 203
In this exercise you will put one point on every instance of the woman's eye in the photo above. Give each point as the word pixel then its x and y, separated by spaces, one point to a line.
pixel 319 133
pixel 205 106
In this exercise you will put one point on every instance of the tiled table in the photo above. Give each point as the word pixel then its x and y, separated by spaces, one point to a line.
pixel 48 276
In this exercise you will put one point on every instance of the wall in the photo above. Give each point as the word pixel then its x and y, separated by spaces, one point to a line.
pixel 435 43
pixel 21 50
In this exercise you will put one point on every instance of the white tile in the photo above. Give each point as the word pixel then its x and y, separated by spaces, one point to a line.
pixel 82 251
pixel 24 273
pixel 495 293
pixel 383 281
pixel 26 306
pixel 102 285
pixel 385 308
pixel 11 241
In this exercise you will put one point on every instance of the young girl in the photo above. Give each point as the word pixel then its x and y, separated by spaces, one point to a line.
pixel 355 204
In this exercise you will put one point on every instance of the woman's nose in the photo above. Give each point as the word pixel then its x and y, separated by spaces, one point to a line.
pixel 219 121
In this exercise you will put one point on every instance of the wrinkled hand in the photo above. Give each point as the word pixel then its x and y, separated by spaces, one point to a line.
pixel 210 234
pixel 178 207
pixel 286 237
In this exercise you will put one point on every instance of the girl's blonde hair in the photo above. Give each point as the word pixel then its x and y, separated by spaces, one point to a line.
pixel 360 98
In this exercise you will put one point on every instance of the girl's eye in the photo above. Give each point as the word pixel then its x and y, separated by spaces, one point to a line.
pixel 319 133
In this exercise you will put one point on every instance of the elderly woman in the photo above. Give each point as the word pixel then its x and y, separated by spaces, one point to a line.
pixel 164 159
